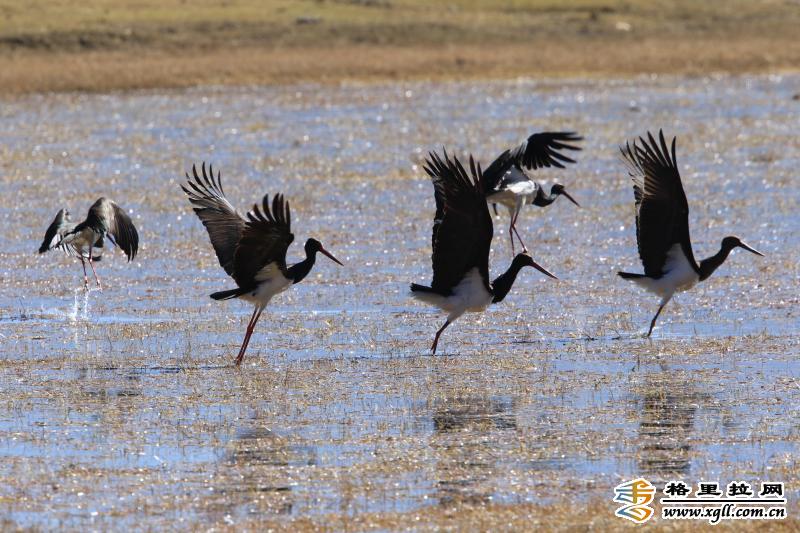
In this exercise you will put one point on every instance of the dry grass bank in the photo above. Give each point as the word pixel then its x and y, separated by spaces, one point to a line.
pixel 119 44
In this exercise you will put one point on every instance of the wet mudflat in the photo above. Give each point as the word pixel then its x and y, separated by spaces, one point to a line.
pixel 121 408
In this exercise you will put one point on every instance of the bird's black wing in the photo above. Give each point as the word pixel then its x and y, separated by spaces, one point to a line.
pixel 662 211
pixel 495 175
pixel 462 230
pixel 106 216
pixel 544 149
pixel 261 253
pixel 513 176
pixel 60 225
pixel 224 224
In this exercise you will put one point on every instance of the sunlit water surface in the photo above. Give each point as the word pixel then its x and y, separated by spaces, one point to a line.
pixel 122 408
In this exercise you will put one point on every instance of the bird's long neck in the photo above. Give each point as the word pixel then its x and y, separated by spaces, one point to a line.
pixel 710 264
pixel 502 284
pixel 541 199
pixel 300 270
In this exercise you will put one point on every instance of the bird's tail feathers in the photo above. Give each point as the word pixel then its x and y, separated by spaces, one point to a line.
pixel 415 287
pixel 227 295
pixel 427 295
pixel 630 275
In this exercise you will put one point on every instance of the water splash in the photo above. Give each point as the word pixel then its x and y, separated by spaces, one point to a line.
pixel 80 304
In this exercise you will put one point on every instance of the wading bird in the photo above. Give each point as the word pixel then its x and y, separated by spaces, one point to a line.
pixel 662 224
pixel 253 250
pixel 512 187
pixel 462 236
pixel 85 240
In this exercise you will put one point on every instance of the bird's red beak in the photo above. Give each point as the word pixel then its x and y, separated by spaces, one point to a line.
pixel 570 198
pixel 541 269
pixel 749 249
pixel 329 255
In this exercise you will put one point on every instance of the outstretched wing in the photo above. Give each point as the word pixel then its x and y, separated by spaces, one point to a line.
pixel 462 230
pixel 106 216
pixel 496 173
pixel 224 224
pixel 265 239
pixel 55 232
pixel 662 211
pixel 544 149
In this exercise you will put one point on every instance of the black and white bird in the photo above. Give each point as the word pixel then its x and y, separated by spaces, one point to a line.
pixel 85 240
pixel 462 236
pixel 662 224
pixel 512 187
pixel 252 250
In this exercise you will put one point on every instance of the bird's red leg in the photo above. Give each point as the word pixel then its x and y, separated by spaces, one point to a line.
pixel 246 339
pixel 524 248
pixel 653 322
pixel 513 227
pixel 91 264
pixel 85 277
pixel 511 235
pixel 250 327
pixel 436 339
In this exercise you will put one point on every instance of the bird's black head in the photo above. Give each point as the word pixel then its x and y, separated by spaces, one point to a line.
pixel 313 246
pixel 731 242
pixel 523 260
pixel 557 189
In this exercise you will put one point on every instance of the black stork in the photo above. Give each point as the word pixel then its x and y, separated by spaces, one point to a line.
pixel 662 224
pixel 514 188
pixel 253 250
pixel 462 236
pixel 85 240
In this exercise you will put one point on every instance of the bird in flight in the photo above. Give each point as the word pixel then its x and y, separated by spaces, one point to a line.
pixel 462 236
pixel 85 240
pixel 251 249
pixel 512 187
pixel 662 224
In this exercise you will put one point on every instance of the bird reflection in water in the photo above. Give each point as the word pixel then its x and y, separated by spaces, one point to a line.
pixel 669 404
pixel 465 436
pixel 259 461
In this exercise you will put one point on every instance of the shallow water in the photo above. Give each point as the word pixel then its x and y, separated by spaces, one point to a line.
pixel 122 408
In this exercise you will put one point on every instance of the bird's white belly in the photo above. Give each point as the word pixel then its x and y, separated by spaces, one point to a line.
pixel 469 295
pixel 504 197
pixel 524 188
pixel 516 194
pixel 266 289
pixel 679 275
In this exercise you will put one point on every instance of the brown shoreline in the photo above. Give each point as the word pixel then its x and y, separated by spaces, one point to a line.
pixel 28 71
pixel 114 45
